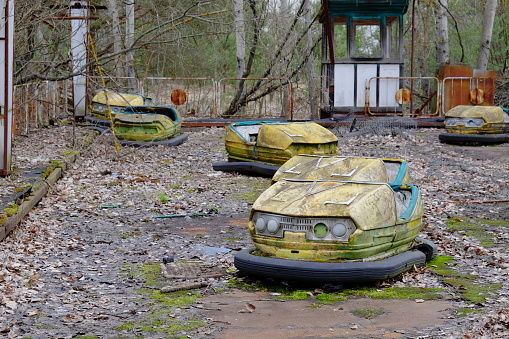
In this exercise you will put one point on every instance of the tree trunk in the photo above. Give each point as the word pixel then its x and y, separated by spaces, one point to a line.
pixel 313 105
pixel 487 31
pixel 129 41
pixel 285 22
pixel 117 36
pixel 240 43
pixel 442 32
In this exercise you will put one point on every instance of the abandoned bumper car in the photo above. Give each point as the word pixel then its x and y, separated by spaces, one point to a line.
pixel 260 147
pixel 148 126
pixel 311 227
pixel 476 125
pixel 106 104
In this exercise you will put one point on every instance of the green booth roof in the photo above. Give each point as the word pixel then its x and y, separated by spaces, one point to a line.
pixel 367 7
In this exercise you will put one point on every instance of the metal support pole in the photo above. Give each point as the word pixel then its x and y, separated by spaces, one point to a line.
pixel 79 40
pixel 6 83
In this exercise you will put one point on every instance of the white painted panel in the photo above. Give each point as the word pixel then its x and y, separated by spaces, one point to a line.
pixel 364 73
pixel 388 87
pixel 344 77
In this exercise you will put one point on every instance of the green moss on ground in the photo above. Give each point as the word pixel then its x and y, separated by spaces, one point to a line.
pixel 164 308
pixel 465 284
pixel 477 228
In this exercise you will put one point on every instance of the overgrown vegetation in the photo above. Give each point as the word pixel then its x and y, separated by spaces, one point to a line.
pixel 465 284
pixel 477 228
pixel 164 308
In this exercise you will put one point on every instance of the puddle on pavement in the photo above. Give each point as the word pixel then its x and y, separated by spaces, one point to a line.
pixel 199 225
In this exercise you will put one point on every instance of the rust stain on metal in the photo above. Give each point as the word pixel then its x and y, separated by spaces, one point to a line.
pixel 477 96
pixel 403 96
pixel 178 97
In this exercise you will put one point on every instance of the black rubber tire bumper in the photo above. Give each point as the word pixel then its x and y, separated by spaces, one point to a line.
pixel 426 246
pixel 97 122
pixel 170 142
pixel 340 272
pixel 246 167
pixel 453 138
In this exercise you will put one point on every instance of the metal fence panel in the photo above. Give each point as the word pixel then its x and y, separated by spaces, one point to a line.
pixel 266 97
pixel 408 96
pixel 39 104
pixel 200 94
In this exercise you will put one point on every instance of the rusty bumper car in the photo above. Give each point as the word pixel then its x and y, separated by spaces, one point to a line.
pixel 476 125
pixel 335 231
pixel 261 147
pixel 106 104
pixel 148 126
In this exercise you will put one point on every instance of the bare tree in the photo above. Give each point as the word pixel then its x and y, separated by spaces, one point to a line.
pixel 42 36
pixel 117 36
pixel 487 31
pixel 313 104
pixel 291 38
pixel 442 32
pixel 240 37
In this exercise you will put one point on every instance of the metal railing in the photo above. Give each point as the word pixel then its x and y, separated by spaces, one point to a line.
pixel 407 96
pixel 266 97
pixel 200 94
pixel 39 104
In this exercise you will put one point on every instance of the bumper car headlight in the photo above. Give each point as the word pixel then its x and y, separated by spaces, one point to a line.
pixel 339 230
pixel 272 226
pixel 315 228
pixel 115 109
pixel 320 230
pixel 98 107
pixel 260 225
pixel 467 122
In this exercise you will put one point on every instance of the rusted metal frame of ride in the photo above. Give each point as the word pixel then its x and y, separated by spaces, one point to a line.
pixel 290 94
pixel 438 92
pixel 477 94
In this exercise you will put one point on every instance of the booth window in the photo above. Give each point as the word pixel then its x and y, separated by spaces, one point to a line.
pixel 340 38
pixel 367 38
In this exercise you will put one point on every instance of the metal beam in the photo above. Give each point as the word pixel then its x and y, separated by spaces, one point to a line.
pixel 6 83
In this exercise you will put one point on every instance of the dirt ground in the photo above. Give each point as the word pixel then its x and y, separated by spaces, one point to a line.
pixel 78 266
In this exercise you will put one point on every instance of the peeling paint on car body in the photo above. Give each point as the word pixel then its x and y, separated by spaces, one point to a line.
pixel 376 224
pixel 477 120
pixel 311 167
pixel 147 123
pixel 105 104
pixel 274 142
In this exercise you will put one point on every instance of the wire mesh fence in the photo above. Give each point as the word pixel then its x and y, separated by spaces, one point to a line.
pixel 389 125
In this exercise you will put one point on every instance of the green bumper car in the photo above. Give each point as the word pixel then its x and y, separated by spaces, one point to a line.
pixel 336 231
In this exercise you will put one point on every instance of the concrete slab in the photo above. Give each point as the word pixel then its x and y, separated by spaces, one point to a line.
pixel 267 318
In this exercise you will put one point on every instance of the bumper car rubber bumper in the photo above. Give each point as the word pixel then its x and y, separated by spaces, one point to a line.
pixel 342 272
pixel 170 142
pixel 246 167
pixel 454 138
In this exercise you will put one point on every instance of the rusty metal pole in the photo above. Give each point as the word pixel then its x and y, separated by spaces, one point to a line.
pixel 6 83
pixel 412 61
